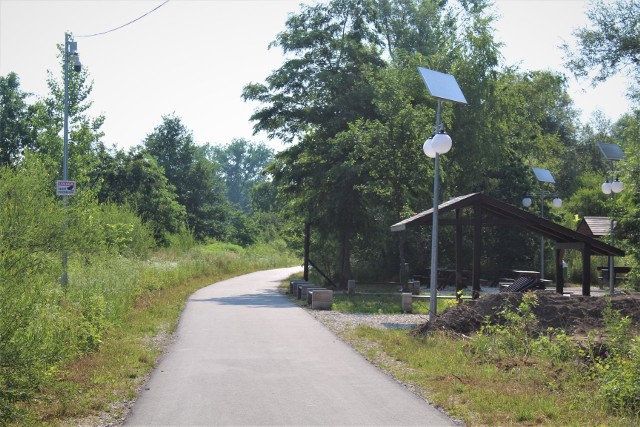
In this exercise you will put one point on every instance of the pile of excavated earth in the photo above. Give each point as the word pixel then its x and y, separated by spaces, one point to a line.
pixel 576 315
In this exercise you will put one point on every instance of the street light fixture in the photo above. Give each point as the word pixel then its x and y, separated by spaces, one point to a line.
pixel 612 153
pixel 442 87
pixel 543 176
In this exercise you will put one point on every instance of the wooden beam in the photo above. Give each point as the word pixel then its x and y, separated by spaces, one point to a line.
pixel 559 272
pixel 586 270
pixel 458 254
pixel 493 222
pixel 570 245
pixel 477 248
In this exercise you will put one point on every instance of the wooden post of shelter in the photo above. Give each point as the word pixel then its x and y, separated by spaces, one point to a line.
pixel 586 270
pixel 477 248
pixel 559 271
pixel 458 253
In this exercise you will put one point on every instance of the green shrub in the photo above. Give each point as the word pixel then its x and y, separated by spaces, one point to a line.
pixel 43 325
pixel 517 337
pixel 34 338
pixel 555 346
pixel 513 338
pixel 182 241
pixel 620 379
pixel 618 368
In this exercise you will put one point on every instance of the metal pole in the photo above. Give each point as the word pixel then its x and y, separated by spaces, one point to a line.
pixel 65 175
pixel 612 275
pixel 542 237
pixel 433 303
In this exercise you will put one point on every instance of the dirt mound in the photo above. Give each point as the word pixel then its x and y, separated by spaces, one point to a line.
pixel 576 315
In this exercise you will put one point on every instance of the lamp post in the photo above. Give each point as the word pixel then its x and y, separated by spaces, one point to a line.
pixel 70 55
pixel 443 87
pixel 613 153
pixel 542 175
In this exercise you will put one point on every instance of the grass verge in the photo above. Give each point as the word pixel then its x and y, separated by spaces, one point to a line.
pixel 516 391
pixel 98 388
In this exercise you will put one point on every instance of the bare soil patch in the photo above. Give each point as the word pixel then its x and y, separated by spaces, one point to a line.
pixel 576 315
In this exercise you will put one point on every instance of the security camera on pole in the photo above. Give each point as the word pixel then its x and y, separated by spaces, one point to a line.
pixel 65 187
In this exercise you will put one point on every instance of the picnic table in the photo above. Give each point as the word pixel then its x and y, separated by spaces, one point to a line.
pixel 620 273
pixel 525 273
pixel 445 277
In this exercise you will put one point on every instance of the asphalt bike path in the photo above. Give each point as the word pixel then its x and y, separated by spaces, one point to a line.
pixel 244 355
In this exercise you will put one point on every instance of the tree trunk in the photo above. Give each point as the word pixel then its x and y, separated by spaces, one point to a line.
pixel 345 258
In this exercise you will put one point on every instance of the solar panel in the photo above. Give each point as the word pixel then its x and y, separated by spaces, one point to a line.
pixel 611 151
pixel 543 175
pixel 442 86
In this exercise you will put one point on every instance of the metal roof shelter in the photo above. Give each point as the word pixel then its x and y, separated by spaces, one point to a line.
pixel 488 212
pixel 594 226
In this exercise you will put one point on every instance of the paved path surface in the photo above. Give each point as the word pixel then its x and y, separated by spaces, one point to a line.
pixel 246 356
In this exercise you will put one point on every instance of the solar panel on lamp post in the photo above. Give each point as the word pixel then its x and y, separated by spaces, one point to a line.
pixel 543 176
pixel 442 87
pixel 612 153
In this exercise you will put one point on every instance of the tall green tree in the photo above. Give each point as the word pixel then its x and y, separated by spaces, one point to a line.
pixel 354 172
pixel 240 164
pixel 320 89
pixel 136 180
pixel 311 99
pixel 625 206
pixel 16 131
pixel 194 177
pixel 325 100
pixel 84 130
pixel 611 44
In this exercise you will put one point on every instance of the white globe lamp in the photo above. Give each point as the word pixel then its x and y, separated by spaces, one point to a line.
pixel 441 142
pixel 617 186
pixel 428 149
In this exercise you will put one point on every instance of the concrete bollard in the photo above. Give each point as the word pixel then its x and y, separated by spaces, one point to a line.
pixel 302 290
pixel 351 287
pixel 293 286
pixel 415 288
pixel 321 299
pixel 407 306
pixel 296 287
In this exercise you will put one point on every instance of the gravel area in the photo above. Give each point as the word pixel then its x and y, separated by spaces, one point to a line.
pixel 340 322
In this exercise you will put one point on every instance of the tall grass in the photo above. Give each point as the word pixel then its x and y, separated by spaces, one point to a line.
pixel 118 311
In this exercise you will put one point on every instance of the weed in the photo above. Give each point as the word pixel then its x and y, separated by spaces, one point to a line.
pixel 618 368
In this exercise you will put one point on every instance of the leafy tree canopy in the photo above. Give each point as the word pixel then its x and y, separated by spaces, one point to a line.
pixel 198 187
pixel 240 164
pixel 611 44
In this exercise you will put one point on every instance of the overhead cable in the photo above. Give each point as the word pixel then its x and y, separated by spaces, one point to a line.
pixel 128 23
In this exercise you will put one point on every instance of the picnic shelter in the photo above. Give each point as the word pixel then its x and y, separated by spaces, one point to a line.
pixel 486 211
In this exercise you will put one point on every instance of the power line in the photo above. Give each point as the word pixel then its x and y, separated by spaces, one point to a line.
pixel 128 23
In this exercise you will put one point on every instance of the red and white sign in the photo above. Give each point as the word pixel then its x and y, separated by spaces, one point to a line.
pixel 65 188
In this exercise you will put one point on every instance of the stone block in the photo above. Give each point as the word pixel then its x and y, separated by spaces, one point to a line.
pixel 407 306
pixel 321 299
